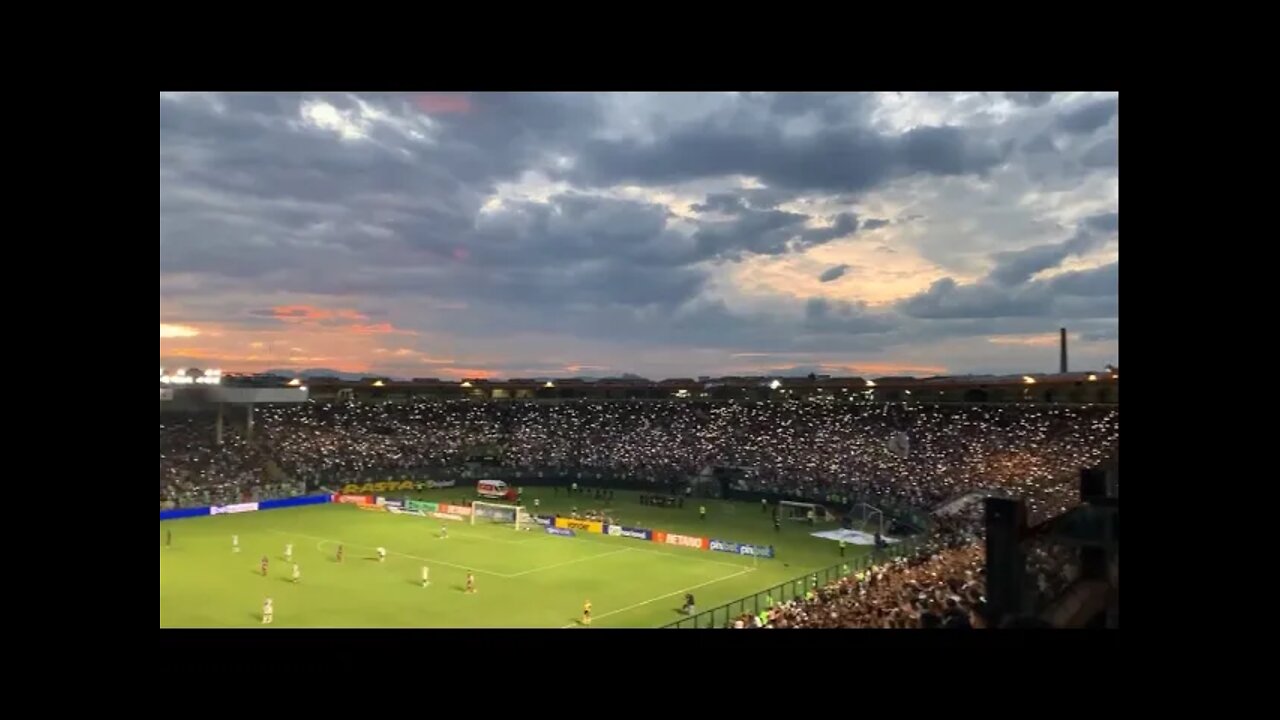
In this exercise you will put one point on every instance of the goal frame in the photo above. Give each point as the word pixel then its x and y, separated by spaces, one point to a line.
pixel 869 514
pixel 522 516
pixel 820 512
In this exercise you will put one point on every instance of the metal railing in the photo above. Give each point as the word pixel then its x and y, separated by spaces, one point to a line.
pixel 796 588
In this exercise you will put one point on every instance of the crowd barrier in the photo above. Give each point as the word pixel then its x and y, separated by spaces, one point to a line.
pixel 179 513
pixel 293 502
pixel 794 589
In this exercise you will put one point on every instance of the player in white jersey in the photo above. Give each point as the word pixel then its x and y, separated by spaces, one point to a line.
pixel 426 576
pixel 297 574
pixel 288 552
pixel 235 543
pixel 382 554
pixel 266 612
pixel 444 532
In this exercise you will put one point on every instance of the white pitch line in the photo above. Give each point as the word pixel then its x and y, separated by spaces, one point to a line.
pixel 571 562
pixel 661 597
pixel 393 552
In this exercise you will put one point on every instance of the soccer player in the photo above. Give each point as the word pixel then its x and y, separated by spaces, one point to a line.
pixel 536 503
pixel 235 543
pixel 471 582
pixel 266 611
pixel 841 547
pixel 764 505
pixel 688 604
pixel 339 553
pixel 382 554
pixel 444 532
pixel 586 613
pixel 426 576
pixel 777 524
pixel 168 538
pixel 702 511
pixel 297 574
pixel 288 552
pixel 264 566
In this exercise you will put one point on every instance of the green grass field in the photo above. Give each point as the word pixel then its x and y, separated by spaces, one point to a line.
pixel 523 579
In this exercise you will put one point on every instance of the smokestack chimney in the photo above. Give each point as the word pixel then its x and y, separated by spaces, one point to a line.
pixel 1063 360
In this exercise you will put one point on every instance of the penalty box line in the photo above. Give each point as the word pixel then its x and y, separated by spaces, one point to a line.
pixel 662 597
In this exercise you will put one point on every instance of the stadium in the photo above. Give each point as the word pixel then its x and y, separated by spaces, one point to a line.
pixel 740 503
pixel 590 360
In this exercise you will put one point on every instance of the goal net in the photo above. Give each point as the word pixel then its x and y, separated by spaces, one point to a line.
pixel 871 517
pixel 803 511
pixel 499 513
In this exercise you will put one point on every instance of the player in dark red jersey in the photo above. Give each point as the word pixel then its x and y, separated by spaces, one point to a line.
pixel 264 566
pixel 339 553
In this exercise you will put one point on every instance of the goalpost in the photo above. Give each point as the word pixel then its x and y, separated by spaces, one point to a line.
pixel 499 513
pixel 801 511
pixel 870 516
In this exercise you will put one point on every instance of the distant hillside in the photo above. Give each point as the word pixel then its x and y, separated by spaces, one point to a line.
pixel 318 372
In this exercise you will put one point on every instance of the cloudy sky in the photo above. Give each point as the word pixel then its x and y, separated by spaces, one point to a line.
pixel 667 235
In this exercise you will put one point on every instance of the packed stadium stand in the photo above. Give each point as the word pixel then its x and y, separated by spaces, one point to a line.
pixel 938 459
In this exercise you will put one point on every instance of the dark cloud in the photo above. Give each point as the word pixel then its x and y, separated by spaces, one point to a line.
pixel 1105 154
pixel 1009 291
pixel 1032 99
pixel 396 209
pixel 831 159
pixel 833 273
pixel 1103 223
pixel 728 203
pixel 766 232
pixel 1089 117
pixel 1078 294
pixel 826 316
pixel 1042 143
pixel 1013 268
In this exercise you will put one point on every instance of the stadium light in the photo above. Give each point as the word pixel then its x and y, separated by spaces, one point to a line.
pixel 549 384
pixel 1093 378
pixel 295 382
pixel 775 384
pixel 871 383
pixel 1028 380
pixel 378 383
pixel 466 383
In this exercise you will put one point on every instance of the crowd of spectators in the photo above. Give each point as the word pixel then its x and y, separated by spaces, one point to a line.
pixel 195 470
pixel 914 455
pixel 940 584
pixel 801 448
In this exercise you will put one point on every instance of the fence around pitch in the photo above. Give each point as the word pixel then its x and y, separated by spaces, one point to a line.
pixel 721 616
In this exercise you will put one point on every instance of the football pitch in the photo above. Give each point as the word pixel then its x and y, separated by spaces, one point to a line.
pixel 523 579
